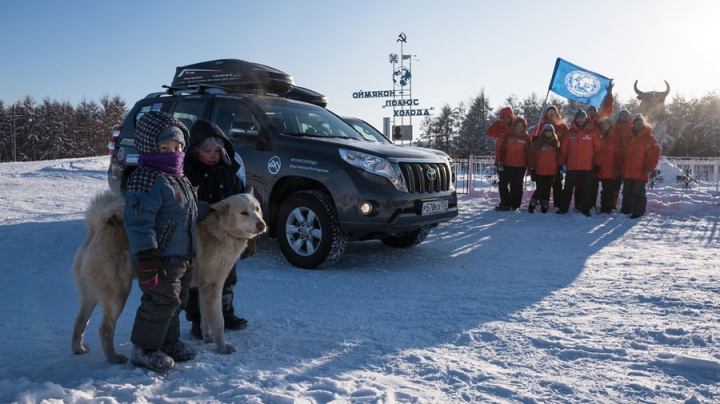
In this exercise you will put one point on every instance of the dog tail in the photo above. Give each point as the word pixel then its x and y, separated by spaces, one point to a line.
pixel 105 209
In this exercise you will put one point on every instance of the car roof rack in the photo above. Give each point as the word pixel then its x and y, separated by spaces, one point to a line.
pixel 199 88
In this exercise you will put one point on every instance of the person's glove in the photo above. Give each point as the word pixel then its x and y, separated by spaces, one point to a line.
pixel 501 167
pixel 596 169
pixel 148 268
pixel 533 177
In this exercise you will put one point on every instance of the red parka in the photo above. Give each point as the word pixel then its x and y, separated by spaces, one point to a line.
pixel 543 155
pixel 514 150
pixel 580 149
pixel 605 110
pixel 499 129
pixel 609 155
pixel 641 156
pixel 624 132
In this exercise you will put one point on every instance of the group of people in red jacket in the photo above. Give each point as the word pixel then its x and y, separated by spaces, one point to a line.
pixel 590 153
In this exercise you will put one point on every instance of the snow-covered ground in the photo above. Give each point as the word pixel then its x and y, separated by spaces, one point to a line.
pixel 501 307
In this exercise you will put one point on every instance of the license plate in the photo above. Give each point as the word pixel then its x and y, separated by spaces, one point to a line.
pixel 434 208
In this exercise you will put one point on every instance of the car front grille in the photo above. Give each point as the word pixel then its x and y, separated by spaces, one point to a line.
pixel 419 177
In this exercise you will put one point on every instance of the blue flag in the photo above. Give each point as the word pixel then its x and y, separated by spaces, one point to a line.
pixel 574 82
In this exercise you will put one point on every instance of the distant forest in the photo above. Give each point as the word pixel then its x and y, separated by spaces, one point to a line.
pixel 31 131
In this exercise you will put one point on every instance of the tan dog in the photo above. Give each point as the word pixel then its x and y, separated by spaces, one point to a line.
pixel 103 270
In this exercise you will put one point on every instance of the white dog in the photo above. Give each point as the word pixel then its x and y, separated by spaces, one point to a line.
pixel 103 270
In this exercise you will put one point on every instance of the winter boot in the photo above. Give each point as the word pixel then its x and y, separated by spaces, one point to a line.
pixel 544 206
pixel 153 359
pixel 179 351
pixel 234 322
pixel 533 203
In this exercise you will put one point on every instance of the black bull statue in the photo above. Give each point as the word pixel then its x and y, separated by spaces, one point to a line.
pixel 652 106
pixel 652 103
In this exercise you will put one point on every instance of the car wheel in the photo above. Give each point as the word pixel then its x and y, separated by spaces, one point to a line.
pixel 407 240
pixel 309 231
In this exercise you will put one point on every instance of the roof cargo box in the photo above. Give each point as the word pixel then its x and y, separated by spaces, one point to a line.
pixel 306 95
pixel 235 75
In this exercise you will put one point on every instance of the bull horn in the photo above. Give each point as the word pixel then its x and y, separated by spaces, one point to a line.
pixel 638 92
pixel 667 91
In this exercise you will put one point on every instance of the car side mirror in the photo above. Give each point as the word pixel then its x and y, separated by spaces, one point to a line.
pixel 242 128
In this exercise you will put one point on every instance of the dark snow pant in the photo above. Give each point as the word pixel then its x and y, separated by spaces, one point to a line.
pixel 584 179
pixel 557 188
pixel 592 195
pixel 543 185
pixel 192 310
pixel 634 199
pixel 607 204
pixel 512 176
pixel 577 196
pixel 157 319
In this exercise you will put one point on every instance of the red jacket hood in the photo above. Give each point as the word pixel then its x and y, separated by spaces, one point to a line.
pixel 507 111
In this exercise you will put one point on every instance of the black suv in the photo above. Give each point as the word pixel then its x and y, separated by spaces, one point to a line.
pixel 320 183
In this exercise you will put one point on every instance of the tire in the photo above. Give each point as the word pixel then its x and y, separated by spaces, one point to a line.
pixel 309 231
pixel 407 240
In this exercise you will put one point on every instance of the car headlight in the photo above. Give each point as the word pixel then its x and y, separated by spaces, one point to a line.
pixel 375 165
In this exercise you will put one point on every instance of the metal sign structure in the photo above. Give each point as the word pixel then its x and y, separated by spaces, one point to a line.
pixel 400 97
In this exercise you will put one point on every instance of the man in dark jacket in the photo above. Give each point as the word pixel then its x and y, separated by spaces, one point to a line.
pixel 210 168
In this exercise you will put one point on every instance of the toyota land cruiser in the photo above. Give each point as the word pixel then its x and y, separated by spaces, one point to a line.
pixel 321 184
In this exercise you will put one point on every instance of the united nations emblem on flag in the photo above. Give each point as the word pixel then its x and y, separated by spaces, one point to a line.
pixel 582 84
pixel 575 83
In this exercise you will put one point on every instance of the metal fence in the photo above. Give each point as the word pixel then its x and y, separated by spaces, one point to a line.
pixel 699 173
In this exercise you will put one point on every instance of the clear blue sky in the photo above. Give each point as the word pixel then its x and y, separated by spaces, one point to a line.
pixel 75 50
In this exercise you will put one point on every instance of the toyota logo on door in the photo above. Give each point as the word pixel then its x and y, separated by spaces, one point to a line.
pixel 431 174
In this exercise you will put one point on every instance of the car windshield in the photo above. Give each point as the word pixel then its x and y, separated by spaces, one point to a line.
pixel 367 131
pixel 301 119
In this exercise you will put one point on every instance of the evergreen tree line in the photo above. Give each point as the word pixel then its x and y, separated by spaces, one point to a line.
pixel 55 130
pixel 693 125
